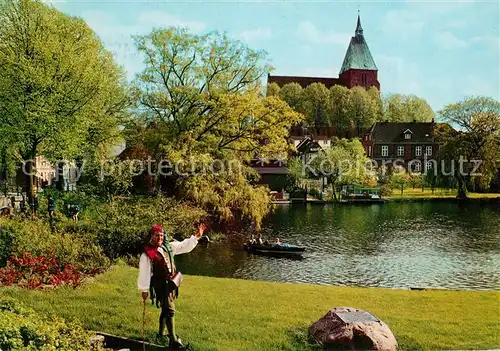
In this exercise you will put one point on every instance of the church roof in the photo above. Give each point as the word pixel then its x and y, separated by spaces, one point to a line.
pixel 358 54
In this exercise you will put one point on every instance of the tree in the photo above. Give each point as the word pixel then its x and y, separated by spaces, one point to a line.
pixel 292 94
pixel 273 89
pixel 362 109
pixel 339 114
pixel 344 163
pixel 400 179
pixel 202 103
pixel 406 108
pixel 315 102
pixel 477 138
pixel 61 94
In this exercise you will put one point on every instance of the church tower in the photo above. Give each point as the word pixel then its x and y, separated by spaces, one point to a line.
pixel 358 68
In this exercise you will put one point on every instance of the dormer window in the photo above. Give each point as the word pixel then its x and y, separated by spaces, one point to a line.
pixel 407 134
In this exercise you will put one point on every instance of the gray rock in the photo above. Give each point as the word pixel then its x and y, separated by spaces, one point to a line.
pixel 352 329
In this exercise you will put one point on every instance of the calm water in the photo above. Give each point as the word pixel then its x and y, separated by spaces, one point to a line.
pixel 398 245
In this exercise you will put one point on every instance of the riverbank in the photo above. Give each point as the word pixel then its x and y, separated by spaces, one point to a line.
pixel 233 314
pixel 408 195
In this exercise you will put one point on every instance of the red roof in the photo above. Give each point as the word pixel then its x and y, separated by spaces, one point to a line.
pixel 303 81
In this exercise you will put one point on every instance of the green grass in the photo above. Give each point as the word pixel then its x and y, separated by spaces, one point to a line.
pixel 417 193
pixel 232 314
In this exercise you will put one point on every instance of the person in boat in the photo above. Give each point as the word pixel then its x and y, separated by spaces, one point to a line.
pixel 252 240
pixel 157 270
pixel 278 242
pixel 259 240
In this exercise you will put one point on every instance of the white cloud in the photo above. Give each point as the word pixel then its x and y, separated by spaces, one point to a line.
pixel 308 31
pixel 403 23
pixel 258 33
pixel 448 41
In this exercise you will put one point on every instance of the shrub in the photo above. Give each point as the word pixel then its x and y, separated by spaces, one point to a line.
pixel 39 271
pixel 122 225
pixel 24 329
pixel 386 190
pixel 316 193
pixel 34 236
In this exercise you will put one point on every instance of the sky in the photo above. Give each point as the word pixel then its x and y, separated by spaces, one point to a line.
pixel 440 51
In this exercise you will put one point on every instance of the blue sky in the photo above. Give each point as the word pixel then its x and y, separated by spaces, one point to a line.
pixel 441 51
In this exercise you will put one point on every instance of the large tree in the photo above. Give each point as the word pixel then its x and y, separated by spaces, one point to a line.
pixel 315 102
pixel 202 100
pixel 343 163
pixel 61 94
pixel 291 93
pixel 476 140
pixel 406 108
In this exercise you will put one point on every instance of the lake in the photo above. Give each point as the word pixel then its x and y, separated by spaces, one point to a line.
pixel 393 245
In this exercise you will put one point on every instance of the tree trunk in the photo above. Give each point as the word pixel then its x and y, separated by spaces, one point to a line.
pixel 462 188
pixel 30 181
pixel 334 193
pixel 60 176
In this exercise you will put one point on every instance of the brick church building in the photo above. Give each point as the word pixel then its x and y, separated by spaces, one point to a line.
pixel 358 68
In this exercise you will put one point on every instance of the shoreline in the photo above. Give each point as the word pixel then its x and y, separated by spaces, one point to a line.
pixel 391 199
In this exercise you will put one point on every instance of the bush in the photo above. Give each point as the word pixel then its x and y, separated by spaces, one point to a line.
pixel 23 329
pixel 386 190
pixel 39 271
pixel 122 225
pixel 34 236
pixel 316 193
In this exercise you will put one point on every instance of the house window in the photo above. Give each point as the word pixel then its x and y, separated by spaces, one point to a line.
pixel 428 166
pixel 407 136
pixel 401 150
pixel 418 151
pixel 428 150
pixel 417 167
pixel 369 151
pixel 385 150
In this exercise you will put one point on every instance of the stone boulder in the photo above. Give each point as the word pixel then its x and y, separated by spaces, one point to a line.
pixel 347 328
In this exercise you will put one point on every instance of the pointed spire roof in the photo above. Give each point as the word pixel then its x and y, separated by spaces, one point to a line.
pixel 359 29
pixel 358 54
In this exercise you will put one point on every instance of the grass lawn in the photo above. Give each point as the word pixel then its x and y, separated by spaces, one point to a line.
pixel 417 193
pixel 231 314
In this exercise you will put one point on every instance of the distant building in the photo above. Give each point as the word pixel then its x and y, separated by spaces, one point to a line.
pixel 412 144
pixel 358 68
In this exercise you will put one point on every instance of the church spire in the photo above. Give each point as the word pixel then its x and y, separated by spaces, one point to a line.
pixel 359 29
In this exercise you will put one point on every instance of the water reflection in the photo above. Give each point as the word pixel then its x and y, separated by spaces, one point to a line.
pixel 397 245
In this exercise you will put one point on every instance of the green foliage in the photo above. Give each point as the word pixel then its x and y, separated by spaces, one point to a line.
pixel 121 225
pixel 345 109
pixel 203 102
pixel 316 193
pixel 61 94
pixel 22 328
pixel 292 94
pixel 477 138
pixel 35 236
pixel 315 102
pixel 386 190
pixel 343 163
pixel 400 179
pixel 107 179
pixel 406 108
